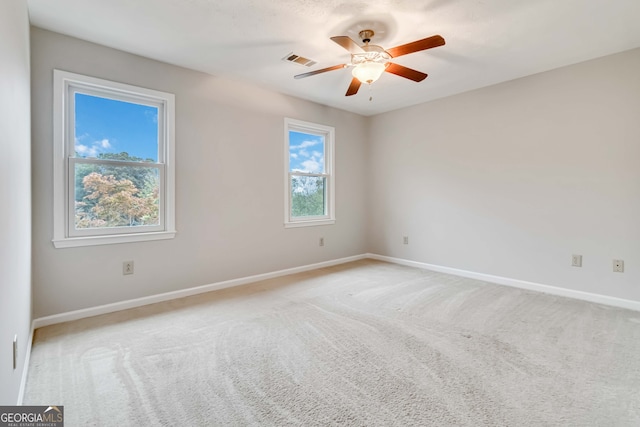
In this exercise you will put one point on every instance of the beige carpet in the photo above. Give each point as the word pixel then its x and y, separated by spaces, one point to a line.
pixel 364 344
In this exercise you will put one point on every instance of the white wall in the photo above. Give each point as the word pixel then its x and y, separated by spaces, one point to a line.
pixel 230 184
pixel 513 179
pixel 15 193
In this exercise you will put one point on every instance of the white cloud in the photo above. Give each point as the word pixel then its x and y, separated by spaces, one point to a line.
pixel 304 153
pixel 311 166
pixel 92 150
pixel 293 155
pixel 153 115
pixel 82 149
pixel 304 144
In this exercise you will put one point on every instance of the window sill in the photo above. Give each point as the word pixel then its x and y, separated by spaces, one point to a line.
pixel 310 223
pixel 73 242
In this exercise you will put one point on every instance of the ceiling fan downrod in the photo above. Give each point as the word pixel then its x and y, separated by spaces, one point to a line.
pixel 365 36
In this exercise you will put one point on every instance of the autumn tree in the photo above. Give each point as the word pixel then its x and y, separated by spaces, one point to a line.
pixel 144 179
pixel 112 202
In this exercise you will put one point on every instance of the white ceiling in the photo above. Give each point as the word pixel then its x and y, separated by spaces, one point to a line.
pixel 488 41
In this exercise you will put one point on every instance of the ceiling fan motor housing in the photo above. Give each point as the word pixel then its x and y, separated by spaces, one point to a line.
pixel 372 53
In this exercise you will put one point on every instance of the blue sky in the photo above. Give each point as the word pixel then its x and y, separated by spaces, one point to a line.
pixel 108 126
pixel 306 152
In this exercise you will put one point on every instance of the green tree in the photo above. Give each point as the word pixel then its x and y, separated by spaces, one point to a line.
pixel 307 198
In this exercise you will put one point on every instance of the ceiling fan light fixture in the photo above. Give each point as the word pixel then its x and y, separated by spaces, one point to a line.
pixel 369 61
pixel 368 72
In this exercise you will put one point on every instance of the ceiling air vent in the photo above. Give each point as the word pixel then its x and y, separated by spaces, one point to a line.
pixel 292 57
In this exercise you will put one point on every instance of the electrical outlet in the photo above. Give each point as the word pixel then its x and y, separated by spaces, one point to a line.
pixel 127 267
pixel 405 240
pixel 576 260
pixel 618 266
pixel 15 352
pixel 321 241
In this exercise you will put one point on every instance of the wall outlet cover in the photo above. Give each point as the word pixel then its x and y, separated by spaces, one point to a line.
pixel 618 266
pixel 127 267
pixel 15 352
pixel 576 260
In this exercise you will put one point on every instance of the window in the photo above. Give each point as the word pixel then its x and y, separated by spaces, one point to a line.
pixel 113 162
pixel 309 187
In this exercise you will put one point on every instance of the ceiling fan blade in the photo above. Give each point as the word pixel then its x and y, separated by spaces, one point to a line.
pixel 353 87
pixel 407 73
pixel 323 70
pixel 418 45
pixel 348 44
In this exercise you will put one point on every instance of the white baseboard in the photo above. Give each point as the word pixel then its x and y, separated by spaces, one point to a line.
pixel 553 290
pixel 138 302
pixel 25 369
pixel 123 305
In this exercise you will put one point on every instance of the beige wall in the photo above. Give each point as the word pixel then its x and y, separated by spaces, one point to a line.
pixel 513 179
pixel 15 193
pixel 509 180
pixel 230 185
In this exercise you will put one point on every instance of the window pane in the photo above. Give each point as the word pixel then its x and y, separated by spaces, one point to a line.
pixel 306 152
pixel 117 130
pixel 116 196
pixel 308 196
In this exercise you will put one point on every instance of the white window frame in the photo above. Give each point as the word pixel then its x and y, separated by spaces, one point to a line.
pixel 328 132
pixel 65 85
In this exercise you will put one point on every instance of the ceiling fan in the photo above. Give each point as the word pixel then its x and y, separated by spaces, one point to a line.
pixel 370 61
